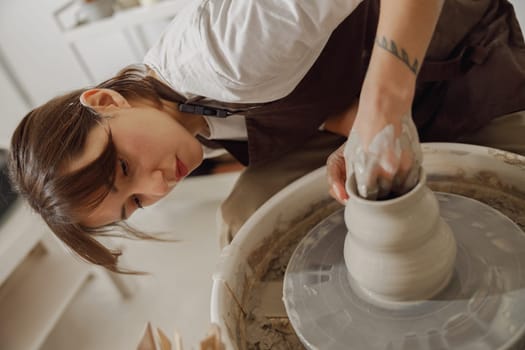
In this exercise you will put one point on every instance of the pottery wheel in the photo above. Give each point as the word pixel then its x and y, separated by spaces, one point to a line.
pixel 483 307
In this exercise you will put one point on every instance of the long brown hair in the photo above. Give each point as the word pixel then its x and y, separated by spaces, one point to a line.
pixel 53 134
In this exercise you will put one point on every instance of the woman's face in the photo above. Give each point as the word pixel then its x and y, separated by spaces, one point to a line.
pixel 155 152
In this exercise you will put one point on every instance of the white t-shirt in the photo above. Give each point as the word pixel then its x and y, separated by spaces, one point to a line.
pixel 244 51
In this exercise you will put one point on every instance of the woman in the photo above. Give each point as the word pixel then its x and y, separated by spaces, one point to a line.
pixel 272 83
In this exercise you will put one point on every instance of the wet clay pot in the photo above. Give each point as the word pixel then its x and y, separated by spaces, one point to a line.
pixel 398 250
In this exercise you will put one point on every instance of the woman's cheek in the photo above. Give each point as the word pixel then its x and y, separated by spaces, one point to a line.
pixel 198 154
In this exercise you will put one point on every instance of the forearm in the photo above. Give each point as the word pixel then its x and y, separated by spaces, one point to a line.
pixel 383 148
pixel 404 32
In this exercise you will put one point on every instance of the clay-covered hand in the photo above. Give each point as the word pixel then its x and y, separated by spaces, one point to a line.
pixel 384 155
pixel 336 175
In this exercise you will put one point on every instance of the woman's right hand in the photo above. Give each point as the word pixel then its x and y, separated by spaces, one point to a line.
pixel 373 181
pixel 336 174
pixel 385 161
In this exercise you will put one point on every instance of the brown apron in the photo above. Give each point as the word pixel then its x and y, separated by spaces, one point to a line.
pixel 474 71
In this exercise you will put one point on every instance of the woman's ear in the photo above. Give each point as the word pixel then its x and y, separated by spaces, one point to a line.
pixel 102 100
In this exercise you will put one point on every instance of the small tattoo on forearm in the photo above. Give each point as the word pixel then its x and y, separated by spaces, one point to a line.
pixel 403 56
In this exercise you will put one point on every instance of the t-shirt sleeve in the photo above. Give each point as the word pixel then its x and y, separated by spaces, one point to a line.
pixel 244 51
pixel 260 50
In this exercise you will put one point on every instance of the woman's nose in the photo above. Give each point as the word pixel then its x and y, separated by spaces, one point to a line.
pixel 152 184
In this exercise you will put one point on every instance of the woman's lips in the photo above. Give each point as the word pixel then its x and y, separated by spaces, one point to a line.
pixel 182 170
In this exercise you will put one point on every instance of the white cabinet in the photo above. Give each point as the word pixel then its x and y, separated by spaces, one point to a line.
pixel 103 47
pixel 13 105
pixel 37 279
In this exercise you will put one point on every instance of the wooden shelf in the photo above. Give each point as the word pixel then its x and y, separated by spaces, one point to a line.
pixel 35 296
pixel 125 18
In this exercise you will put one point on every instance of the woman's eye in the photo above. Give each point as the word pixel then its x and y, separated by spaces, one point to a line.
pixel 124 167
pixel 137 201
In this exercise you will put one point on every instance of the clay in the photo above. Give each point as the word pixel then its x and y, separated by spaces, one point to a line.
pixel 398 249
pixel 271 259
pixel 264 333
pixel 487 188
pixel 485 298
pixel 261 330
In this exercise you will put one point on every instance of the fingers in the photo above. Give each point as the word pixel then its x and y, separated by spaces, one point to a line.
pixel 375 182
pixel 376 167
pixel 336 175
pixel 411 159
pixel 366 176
pixel 384 186
pixel 412 179
pixel 389 164
pixel 338 193
pixel 402 184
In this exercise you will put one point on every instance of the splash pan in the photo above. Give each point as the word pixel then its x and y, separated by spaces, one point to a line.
pixel 259 255
pixel 483 307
